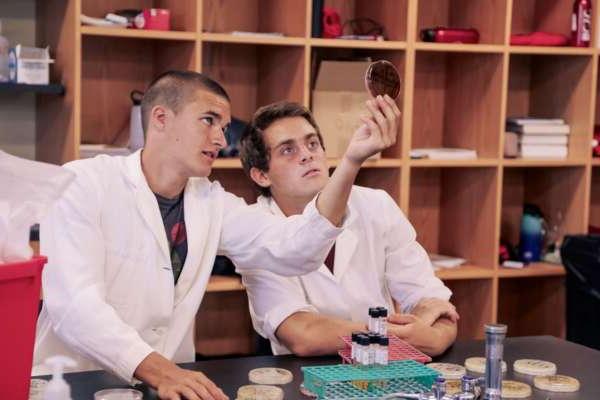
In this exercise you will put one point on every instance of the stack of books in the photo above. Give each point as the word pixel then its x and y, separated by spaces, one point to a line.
pixel 541 137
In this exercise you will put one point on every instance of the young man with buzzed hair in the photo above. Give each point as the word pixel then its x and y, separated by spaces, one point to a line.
pixel 132 242
pixel 375 261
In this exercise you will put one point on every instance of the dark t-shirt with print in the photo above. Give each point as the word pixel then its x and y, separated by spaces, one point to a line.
pixel 172 214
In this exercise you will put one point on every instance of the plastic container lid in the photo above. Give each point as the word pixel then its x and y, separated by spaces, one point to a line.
pixel 495 328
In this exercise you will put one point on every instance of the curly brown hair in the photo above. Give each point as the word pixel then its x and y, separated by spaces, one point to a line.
pixel 254 152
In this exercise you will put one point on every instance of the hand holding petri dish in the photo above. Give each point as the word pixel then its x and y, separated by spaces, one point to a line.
pixel 382 78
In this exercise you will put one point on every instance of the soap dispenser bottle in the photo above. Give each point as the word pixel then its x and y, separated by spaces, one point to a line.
pixel 58 388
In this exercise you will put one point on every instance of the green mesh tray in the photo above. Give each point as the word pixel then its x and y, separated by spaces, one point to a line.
pixel 347 381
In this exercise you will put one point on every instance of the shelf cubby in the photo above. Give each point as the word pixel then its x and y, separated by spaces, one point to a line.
pixel 255 75
pixel 397 58
pixel 111 69
pixel 183 12
pixel 558 191
pixel 391 14
pixel 485 16
pixel 453 211
pixel 532 306
pixel 287 17
pixel 554 86
pixel 457 101
pixel 541 15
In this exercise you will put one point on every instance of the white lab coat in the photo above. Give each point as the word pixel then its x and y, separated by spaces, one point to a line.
pixel 377 261
pixel 109 295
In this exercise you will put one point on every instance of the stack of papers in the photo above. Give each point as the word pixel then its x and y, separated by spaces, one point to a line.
pixel 439 261
pixel 444 153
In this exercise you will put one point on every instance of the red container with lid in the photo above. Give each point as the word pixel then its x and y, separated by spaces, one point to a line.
pixel 20 285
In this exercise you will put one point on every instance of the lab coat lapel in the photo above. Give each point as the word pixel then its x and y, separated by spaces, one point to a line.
pixel 196 214
pixel 147 204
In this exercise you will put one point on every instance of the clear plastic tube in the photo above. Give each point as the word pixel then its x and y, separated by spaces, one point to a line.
pixel 494 351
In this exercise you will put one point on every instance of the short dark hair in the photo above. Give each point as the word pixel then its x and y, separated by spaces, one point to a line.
pixel 253 150
pixel 174 89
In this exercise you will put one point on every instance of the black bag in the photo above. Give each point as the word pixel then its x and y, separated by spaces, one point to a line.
pixel 581 257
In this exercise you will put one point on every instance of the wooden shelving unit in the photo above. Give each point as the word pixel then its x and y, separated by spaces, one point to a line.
pixel 137 34
pixel 453 95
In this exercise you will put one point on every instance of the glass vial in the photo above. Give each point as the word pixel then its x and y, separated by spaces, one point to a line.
pixel 374 319
pixel 354 338
pixel 383 314
pixel 382 356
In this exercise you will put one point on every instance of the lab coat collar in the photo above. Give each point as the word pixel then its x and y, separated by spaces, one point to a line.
pixel 345 245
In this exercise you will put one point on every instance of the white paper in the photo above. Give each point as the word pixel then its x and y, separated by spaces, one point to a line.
pixel 28 189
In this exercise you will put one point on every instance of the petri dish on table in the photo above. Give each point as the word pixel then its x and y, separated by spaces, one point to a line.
pixel 118 394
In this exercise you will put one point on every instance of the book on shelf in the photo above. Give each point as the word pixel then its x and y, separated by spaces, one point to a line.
pixel 444 153
pixel 544 151
pixel 545 139
pixel 539 129
pixel 534 121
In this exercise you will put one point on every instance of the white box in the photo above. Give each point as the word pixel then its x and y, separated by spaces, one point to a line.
pixel 29 65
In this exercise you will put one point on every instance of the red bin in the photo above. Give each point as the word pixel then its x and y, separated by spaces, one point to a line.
pixel 19 299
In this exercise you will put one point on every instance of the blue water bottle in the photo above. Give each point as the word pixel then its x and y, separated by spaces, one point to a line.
pixel 530 246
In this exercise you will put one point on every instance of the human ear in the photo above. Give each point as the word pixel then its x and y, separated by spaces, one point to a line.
pixel 261 178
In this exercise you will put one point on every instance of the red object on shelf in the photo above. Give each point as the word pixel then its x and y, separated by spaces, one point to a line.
pixel 581 23
pixel 332 26
pixel 450 35
pixel 19 300
pixel 158 19
pixel 539 39
pixel 398 350
pixel 596 148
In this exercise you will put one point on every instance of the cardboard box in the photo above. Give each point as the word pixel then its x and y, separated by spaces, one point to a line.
pixel 338 101
pixel 29 65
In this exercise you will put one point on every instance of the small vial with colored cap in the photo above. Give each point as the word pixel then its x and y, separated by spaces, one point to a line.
pixel 364 342
pixel 382 324
pixel 354 338
pixel 439 388
pixel 374 319
pixel 382 355
pixel 373 347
